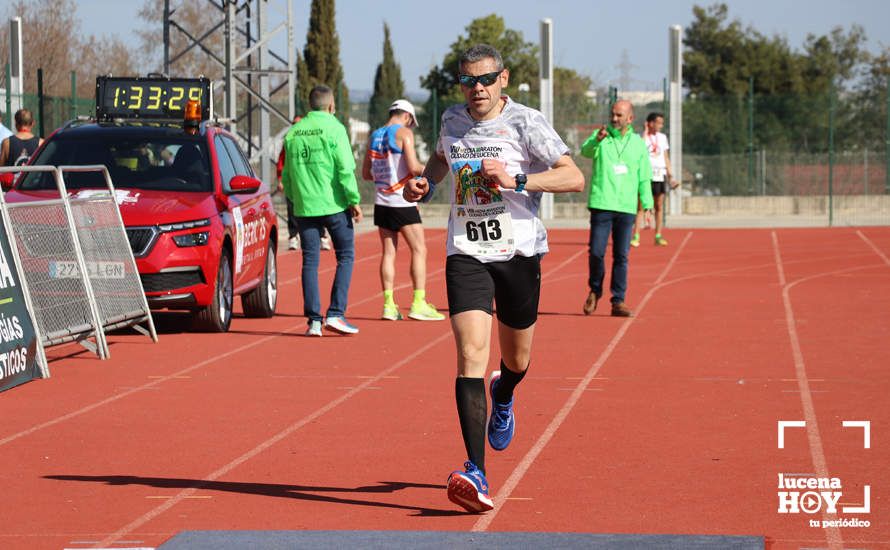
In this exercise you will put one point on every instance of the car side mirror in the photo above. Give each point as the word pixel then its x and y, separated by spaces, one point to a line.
pixel 244 184
pixel 7 180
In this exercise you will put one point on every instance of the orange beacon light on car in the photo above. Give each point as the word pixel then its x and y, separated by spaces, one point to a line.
pixel 192 116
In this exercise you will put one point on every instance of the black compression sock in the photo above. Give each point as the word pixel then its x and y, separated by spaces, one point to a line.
pixel 472 409
pixel 507 383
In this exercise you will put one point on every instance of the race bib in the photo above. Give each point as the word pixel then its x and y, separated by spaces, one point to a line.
pixel 483 230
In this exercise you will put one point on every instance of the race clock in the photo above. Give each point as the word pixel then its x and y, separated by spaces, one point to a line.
pixel 150 97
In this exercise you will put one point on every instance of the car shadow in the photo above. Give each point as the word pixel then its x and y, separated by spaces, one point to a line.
pixel 277 490
pixel 173 322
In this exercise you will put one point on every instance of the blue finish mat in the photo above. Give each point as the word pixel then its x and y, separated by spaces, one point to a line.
pixel 274 540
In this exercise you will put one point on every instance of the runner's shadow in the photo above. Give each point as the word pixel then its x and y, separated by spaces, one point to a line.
pixel 301 492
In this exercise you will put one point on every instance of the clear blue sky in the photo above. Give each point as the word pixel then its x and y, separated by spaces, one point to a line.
pixel 589 35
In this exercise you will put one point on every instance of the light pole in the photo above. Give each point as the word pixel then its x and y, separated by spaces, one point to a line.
pixel 524 89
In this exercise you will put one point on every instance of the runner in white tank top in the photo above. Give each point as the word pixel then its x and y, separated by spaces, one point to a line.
pixel 389 169
pixel 390 161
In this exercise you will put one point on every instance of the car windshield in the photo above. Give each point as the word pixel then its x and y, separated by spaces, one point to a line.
pixel 162 163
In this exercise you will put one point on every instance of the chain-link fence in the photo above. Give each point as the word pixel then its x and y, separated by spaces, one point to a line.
pixel 50 112
pixel 575 119
pixel 821 158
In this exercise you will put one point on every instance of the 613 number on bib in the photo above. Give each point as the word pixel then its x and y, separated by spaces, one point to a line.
pixel 486 230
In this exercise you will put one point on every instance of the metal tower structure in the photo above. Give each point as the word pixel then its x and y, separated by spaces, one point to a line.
pixel 255 78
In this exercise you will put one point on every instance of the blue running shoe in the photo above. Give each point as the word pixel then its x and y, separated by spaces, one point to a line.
pixel 469 489
pixel 502 422
pixel 341 325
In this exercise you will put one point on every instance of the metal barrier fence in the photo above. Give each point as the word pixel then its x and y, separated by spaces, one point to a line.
pixel 22 343
pixel 114 276
pixel 54 268
pixel 78 265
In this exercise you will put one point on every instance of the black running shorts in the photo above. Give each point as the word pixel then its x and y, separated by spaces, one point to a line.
pixel 395 217
pixel 514 285
pixel 658 188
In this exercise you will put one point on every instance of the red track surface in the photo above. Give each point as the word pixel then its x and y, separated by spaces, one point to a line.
pixel 663 423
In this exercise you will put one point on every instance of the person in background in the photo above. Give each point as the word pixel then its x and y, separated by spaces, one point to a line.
pixel 621 178
pixel 657 143
pixel 390 161
pixel 293 240
pixel 319 178
pixel 16 148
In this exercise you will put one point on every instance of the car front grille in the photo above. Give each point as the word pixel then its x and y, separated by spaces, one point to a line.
pixel 141 239
pixel 162 282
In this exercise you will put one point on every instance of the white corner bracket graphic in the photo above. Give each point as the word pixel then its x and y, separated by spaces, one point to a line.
pixel 866 503
pixel 866 430
pixel 788 424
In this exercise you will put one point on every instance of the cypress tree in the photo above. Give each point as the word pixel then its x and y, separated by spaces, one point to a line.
pixel 388 84
pixel 322 58
pixel 304 86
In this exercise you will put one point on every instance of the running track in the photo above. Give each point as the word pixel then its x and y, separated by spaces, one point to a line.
pixel 663 423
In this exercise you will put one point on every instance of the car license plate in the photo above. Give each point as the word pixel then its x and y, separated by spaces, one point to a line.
pixel 96 270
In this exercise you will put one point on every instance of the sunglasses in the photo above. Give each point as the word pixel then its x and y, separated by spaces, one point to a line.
pixel 486 79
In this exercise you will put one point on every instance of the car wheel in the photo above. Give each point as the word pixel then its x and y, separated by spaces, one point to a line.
pixel 217 316
pixel 261 301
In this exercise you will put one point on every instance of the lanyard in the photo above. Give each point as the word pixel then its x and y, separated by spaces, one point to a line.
pixel 626 142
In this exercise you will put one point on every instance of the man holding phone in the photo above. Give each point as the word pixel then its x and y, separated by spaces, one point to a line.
pixel 621 177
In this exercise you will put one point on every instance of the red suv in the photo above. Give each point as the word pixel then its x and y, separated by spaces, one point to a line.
pixel 202 227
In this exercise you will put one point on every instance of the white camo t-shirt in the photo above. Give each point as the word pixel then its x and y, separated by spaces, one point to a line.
pixel 487 222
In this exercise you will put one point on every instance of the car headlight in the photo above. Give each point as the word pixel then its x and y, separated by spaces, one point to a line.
pixel 183 225
pixel 192 239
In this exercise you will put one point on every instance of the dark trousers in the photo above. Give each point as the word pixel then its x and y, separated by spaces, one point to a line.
pixel 620 226
pixel 292 230
pixel 343 236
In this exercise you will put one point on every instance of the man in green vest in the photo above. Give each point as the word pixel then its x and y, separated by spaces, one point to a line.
pixel 319 178
pixel 621 177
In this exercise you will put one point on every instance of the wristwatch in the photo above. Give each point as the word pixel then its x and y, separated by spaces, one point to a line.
pixel 520 180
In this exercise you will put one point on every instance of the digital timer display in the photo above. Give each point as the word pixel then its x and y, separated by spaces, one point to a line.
pixel 150 97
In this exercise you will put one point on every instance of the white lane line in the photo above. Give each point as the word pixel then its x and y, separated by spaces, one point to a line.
pixel 176 375
pixel 185 493
pixel 873 247
pixel 220 472
pixel 155 382
pixel 522 468
pixel 814 438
